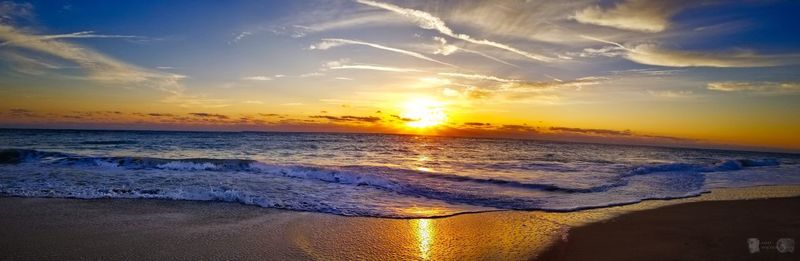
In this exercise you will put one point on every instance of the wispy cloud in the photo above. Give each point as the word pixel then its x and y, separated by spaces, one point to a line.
pixel 334 42
pixel 486 86
pixel 593 131
pixel 191 101
pixel 349 22
pixel 444 48
pixel 10 11
pixel 257 78
pixel 754 87
pixel 636 15
pixel 19 113
pixel 335 65
pixel 538 86
pixel 98 66
pixel 430 22
pixel 241 36
pixel 478 77
pixel 348 118
pixel 84 34
pixel 672 94
pixel 651 54
pixel 209 115
pixel 651 71
pixel 28 65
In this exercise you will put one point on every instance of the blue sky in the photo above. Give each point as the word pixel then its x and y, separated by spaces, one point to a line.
pixel 701 71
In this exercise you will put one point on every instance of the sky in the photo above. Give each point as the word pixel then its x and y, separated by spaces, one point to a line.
pixel 721 74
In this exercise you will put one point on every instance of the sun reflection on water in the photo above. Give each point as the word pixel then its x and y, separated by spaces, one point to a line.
pixel 424 232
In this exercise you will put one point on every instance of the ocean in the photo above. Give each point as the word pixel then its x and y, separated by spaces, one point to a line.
pixel 378 175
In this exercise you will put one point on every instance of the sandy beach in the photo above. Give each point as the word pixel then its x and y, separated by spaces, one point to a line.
pixel 713 230
pixel 701 228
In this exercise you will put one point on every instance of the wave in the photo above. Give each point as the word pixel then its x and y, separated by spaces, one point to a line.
pixel 723 165
pixel 16 156
pixel 110 142
pixel 347 190
pixel 385 177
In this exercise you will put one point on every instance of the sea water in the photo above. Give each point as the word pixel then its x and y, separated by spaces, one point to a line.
pixel 378 175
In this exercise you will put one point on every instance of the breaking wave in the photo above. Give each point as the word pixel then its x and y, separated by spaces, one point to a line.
pixel 347 190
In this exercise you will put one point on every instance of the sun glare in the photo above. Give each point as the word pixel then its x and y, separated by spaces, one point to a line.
pixel 424 113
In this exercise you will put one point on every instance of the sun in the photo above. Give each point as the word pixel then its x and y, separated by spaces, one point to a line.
pixel 424 113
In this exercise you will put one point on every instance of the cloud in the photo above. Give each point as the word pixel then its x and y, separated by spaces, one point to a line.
pixel 593 131
pixel 160 115
pixel 476 93
pixel 257 78
pixel 444 48
pixel 209 115
pixel 311 74
pixel 202 101
pixel 605 51
pixel 348 118
pixel 353 21
pixel 22 113
pixel 241 36
pixel 477 124
pixel 514 89
pixel 10 11
pixel 84 34
pixel 427 21
pixel 99 67
pixel 651 71
pixel 334 42
pixel 335 65
pixel 536 21
pixel 28 65
pixel 671 93
pixel 652 54
pixel 401 118
pixel 754 87
pixel 627 134
pixel 478 77
pixel 635 15
pixel 537 86
pixel 518 128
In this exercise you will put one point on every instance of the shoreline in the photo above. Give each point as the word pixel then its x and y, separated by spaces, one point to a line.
pixel 671 200
pixel 51 228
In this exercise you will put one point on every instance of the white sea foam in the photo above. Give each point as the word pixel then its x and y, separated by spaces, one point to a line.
pixel 178 165
pixel 386 191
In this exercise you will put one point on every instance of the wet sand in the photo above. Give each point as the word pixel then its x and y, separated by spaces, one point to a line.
pixel 713 230
pixel 57 229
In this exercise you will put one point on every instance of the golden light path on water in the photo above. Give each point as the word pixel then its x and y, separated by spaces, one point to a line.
pixel 424 232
